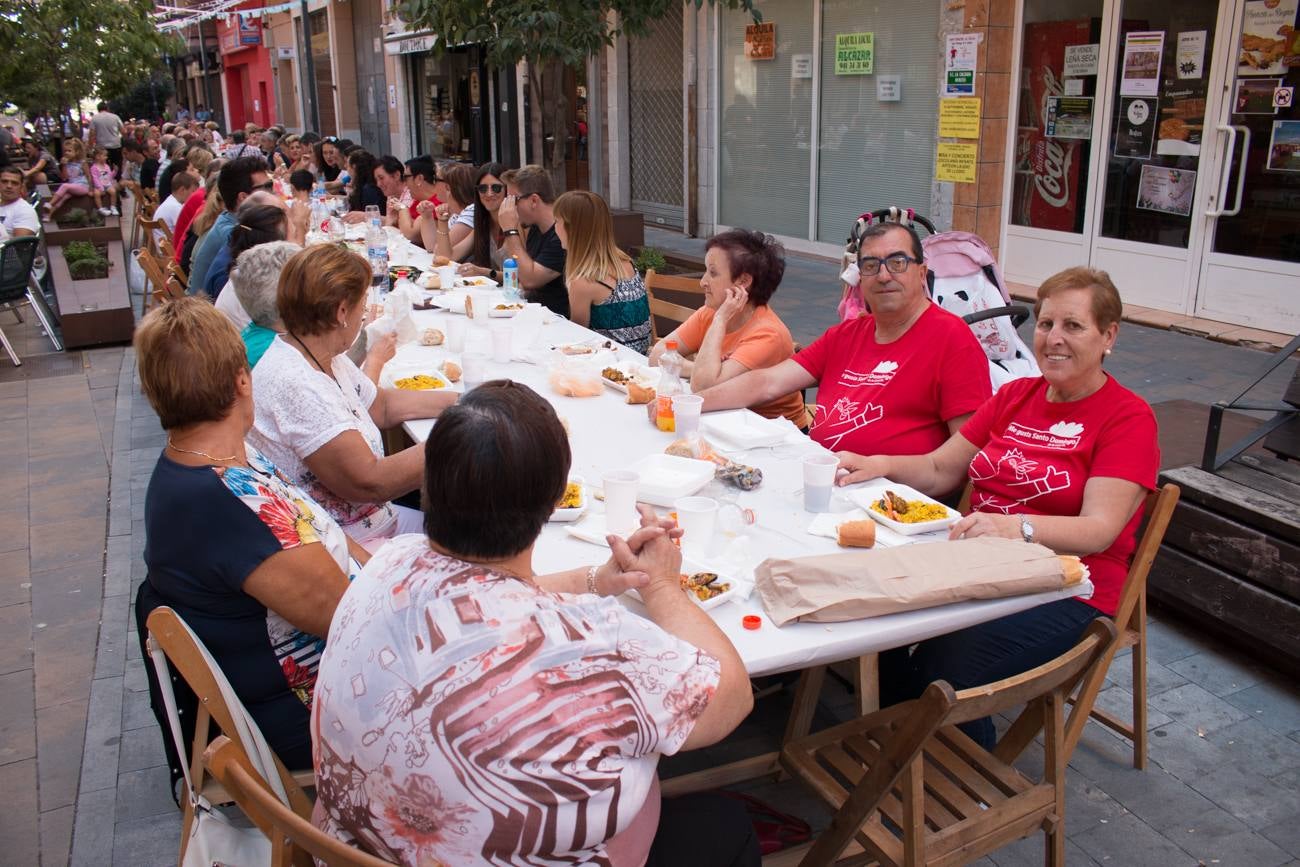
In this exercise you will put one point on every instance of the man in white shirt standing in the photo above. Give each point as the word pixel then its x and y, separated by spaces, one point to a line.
pixel 106 132
pixel 17 217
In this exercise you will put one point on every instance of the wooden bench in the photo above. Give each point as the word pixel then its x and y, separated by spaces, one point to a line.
pixel 1231 557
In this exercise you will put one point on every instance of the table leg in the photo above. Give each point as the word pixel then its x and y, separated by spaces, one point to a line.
pixel 868 683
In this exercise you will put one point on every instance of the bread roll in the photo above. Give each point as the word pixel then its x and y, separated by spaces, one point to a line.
pixel 451 370
pixel 469 307
pixel 1071 568
pixel 637 394
pixel 857 534
pixel 431 337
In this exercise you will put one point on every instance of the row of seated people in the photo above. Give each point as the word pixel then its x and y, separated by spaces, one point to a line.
pixel 461 708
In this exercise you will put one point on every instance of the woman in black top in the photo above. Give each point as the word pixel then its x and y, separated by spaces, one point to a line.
pixel 361 166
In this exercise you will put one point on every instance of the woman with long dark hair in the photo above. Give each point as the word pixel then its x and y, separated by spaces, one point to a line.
pixel 490 191
pixel 361 166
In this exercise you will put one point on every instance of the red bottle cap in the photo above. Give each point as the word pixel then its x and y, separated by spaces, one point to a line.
pixel 751 621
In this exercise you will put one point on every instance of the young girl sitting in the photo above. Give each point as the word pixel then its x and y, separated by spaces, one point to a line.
pixel 76 176
pixel 103 183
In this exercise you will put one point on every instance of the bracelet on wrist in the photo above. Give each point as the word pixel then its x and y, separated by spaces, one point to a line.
pixel 591 581
pixel 511 233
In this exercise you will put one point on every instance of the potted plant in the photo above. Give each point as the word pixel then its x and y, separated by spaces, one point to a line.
pixel 90 285
pixel 77 220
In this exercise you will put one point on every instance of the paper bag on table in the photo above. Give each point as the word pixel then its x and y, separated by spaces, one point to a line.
pixel 851 586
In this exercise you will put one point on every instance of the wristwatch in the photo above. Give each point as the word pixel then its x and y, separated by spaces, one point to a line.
pixel 510 233
pixel 1026 529
pixel 493 274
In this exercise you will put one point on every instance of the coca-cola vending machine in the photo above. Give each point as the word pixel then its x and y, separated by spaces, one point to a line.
pixel 1050 173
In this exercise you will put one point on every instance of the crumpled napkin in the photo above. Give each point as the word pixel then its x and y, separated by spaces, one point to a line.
pixel 828 523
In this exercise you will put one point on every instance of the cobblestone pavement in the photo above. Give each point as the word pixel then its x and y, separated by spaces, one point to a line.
pixel 80 754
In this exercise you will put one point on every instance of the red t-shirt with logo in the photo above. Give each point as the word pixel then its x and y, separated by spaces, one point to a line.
pixel 894 398
pixel 1036 457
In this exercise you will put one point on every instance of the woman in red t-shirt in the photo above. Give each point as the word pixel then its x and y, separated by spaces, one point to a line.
pixel 1064 460
pixel 736 331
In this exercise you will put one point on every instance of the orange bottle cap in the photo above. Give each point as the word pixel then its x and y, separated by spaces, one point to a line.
pixel 751 621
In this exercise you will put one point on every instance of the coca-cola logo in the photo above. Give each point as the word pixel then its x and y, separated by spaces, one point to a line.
pixel 1051 180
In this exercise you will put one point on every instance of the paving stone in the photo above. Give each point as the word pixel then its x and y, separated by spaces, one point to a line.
pixel 1285 834
pixel 110 657
pixel 1167 644
pixel 145 792
pixel 15 522
pixel 15 580
pixel 1129 842
pixel 65 661
pixel 1256 800
pixel 17 717
pixel 1155 797
pixel 1252 747
pixel 19 820
pixel 1028 852
pixel 15 637
pixel 1274 704
pixel 1214 837
pixel 1159 677
pixel 136 712
pixel 1218 673
pixel 103 735
pixel 1183 753
pixel 141 748
pixel 1087 806
pixel 56 836
pixel 146 842
pixel 1197 708
pixel 60 737
pixel 1118 700
pixel 92 834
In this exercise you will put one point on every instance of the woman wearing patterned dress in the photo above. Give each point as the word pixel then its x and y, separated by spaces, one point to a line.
pixel 469 711
pixel 606 294
pixel 244 556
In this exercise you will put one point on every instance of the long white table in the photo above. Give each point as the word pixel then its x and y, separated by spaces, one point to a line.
pixel 606 434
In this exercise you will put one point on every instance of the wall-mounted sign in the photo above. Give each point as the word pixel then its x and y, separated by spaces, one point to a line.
pixel 855 53
pixel 1069 117
pixel 1189 58
pixel 959 118
pixel 760 41
pixel 801 66
pixel 392 96
pixel 411 44
pixel 285 52
pixel 955 162
pixel 959 63
pixel 889 88
pixel 1142 51
pixel 1137 128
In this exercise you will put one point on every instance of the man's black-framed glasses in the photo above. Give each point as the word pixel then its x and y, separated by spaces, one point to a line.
pixel 265 186
pixel 869 266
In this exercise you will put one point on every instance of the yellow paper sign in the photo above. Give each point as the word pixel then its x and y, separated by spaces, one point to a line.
pixel 956 162
pixel 760 41
pixel 959 118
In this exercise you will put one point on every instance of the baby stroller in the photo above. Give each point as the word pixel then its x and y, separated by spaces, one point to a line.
pixel 964 279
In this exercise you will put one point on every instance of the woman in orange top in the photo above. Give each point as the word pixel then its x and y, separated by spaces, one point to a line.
pixel 736 330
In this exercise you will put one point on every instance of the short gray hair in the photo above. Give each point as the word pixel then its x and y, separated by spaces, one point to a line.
pixel 256 276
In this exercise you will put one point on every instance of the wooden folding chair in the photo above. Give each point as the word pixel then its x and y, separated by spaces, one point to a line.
pixel 156 234
pixel 668 310
pixel 909 787
pixel 162 290
pixel 294 839
pixel 168 632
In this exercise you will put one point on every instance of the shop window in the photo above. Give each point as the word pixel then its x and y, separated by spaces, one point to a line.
pixel 1051 170
pixel 765 124
pixel 875 153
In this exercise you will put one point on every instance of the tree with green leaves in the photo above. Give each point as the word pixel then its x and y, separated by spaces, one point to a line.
pixel 59 52
pixel 550 35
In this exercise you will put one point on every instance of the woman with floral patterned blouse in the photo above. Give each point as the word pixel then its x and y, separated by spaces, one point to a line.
pixel 471 712
pixel 244 556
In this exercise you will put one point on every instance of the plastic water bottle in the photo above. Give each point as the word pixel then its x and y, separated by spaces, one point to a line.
pixel 510 280
pixel 377 253
pixel 670 383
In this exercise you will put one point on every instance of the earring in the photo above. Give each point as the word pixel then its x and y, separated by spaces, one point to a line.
pixel 1108 352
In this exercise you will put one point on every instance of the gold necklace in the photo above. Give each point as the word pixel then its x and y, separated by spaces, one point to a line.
pixel 213 458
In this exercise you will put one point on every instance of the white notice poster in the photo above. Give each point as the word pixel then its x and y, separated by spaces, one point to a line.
pixel 1081 60
pixel 1190 57
pixel 1142 50
pixel 959 62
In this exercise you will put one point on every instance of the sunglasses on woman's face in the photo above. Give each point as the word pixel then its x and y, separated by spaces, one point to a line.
pixel 495 188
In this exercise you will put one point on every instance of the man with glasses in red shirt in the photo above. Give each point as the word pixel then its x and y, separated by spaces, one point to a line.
pixel 897 381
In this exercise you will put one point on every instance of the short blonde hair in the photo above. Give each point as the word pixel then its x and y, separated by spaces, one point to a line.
pixel 189 356
pixel 315 282
pixel 1107 308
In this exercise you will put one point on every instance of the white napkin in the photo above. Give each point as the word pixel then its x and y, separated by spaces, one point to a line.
pixel 828 523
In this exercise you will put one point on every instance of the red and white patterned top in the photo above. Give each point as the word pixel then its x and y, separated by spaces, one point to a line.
pixel 464 716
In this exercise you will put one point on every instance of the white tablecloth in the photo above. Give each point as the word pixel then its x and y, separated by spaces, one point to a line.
pixel 607 434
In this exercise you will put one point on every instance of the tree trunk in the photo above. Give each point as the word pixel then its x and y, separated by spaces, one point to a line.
pixel 537 139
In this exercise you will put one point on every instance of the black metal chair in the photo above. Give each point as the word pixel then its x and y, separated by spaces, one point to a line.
pixel 17 286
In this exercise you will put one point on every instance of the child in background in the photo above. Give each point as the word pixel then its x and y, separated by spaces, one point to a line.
pixel 301 182
pixel 76 175
pixel 102 182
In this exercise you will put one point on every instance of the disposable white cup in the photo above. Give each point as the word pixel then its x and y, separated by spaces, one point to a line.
pixel 397 255
pixel 686 414
pixel 501 336
pixel 620 500
pixel 456 334
pixel 473 369
pixel 447 276
pixel 698 517
pixel 482 304
pixel 818 480
pixel 372 213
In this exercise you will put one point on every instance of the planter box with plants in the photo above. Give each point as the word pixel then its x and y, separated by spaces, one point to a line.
pixel 90 286
pixel 78 220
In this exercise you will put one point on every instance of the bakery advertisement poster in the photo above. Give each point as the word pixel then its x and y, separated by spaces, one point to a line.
pixel 1284 146
pixel 1142 52
pixel 1136 130
pixel 1189 57
pixel 1255 96
pixel 1069 117
pixel 1268 35
pixel 1166 190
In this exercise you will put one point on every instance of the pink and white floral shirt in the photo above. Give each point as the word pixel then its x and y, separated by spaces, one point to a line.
pixel 468 717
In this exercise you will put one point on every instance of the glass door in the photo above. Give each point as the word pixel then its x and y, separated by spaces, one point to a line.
pixel 1251 272
pixel 1158 149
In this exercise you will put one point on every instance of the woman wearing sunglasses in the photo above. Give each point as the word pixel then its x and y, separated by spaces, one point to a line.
pixel 486 256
